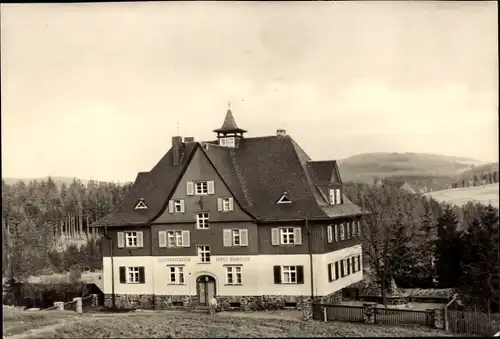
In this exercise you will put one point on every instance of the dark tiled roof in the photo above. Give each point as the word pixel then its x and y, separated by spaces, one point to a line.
pixel 257 173
pixel 324 172
pixel 229 124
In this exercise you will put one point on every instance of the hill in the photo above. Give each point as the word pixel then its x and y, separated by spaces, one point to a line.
pixel 477 171
pixel 57 180
pixel 487 194
pixel 365 167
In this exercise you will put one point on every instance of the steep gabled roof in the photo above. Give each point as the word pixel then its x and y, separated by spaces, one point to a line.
pixel 324 172
pixel 257 173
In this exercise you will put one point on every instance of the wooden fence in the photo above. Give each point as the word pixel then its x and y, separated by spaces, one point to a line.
pixel 473 323
pixel 380 315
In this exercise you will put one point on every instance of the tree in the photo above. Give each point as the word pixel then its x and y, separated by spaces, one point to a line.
pixel 448 249
pixel 480 262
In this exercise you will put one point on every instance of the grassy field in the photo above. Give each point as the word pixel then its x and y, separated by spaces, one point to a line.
pixel 459 196
pixel 164 324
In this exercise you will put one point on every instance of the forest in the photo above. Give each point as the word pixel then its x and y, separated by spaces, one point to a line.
pixel 412 239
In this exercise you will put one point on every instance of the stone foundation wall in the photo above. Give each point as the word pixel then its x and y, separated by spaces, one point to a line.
pixel 224 303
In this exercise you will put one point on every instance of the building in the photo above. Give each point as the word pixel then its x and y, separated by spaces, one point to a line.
pixel 253 220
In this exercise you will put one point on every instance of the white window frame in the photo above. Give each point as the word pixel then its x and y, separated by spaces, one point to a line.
pixel 133 275
pixel 176 272
pixel 333 196
pixel 236 236
pixel 287 236
pixel 201 188
pixel 141 205
pixel 174 239
pixel 233 275
pixel 204 253
pixel 131 239
pixel 202 220
pixel 178 206
pixel 342 231
pixel 226 204
pixel 289 274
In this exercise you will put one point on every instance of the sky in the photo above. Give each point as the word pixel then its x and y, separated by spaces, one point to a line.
pixel 97 90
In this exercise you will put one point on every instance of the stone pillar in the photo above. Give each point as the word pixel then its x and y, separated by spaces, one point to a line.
pixel 95 300
pixel 59 305
pixel 369 313
pixel 307 310
pixel 79 306
pixel 438 318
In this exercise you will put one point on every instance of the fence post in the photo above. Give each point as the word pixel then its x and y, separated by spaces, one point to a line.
pixel 79 306
pixel 369 313
pixel 439 321
pixel 325 317
pixel 59 305
pixel 95 300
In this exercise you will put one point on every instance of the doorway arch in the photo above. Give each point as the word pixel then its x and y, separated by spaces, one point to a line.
pixel 205 288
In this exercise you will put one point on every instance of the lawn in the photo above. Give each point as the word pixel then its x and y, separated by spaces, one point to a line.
pixel 487 194
pixel 164 324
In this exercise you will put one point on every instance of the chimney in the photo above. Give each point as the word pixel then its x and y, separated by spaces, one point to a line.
pixel 176 150
pixel 188 140
pixel 281 132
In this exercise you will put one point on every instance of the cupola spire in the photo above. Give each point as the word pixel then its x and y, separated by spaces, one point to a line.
pixel 229 133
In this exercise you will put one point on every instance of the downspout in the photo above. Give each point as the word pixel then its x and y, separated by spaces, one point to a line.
pixel 152 266
pixel 113 299
pixel 308 231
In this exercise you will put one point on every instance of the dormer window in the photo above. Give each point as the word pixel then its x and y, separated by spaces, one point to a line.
pixel 141 205
pixel 284 199
pixel 335 196
pixel 227 142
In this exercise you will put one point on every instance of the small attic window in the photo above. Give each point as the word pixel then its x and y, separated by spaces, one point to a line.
pixel 141 205
pixel 284 199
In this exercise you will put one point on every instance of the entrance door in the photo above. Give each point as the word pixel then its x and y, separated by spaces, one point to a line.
pixel 206 289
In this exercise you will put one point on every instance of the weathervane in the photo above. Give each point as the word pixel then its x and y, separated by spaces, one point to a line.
pixel 229 105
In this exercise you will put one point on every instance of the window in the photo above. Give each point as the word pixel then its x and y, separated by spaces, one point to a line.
pixel 335 196
pixel 174 239
pixel 287 236
pixel 342 232
pixel 353 264
pixel 284 199
pixel 342 268
pixel 141 205
pixel 225 204
pixel 336 233
pixel 337 273
pixel 178 206
pixel 235 237
pixel 202 221
pixel 359 262
pixel 201 188
pixel 176 275
pixel 329 233
pixel 348 230
pixel 348 264
pixel 133 275
pixel 204 253
pixel 227 141
pixel 233 275
pixel 289 275
pixel 131 239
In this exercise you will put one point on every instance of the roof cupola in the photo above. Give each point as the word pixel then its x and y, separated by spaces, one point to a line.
pixel 229 134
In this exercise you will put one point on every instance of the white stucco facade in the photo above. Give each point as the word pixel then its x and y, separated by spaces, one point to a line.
pixel 257 274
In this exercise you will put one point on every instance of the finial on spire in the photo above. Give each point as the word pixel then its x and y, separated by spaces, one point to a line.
pixel 229 105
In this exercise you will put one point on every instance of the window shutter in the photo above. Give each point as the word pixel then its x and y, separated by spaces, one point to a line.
pixel 336 270
pixel 243 237
pixel 348 264
pixel 277 274
pixel 210 187
pixel 330 272
pixel 332 197
pixel 219 204
pixel 183 206
pixel 142 276
pixel 171 206
pixel 342 268
pixel 189 188
pixel 162 239
pixel 140 240
pixel 185 239
pixel 121 239
pixel 359 262
pixel 275 237
pixel 336 233
pixel 231 204
pixel 227 238
pixel 353 264
pixel 297 236
pixel 123 275
pixel 338 196
pixel 300 274
pixel 329 233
